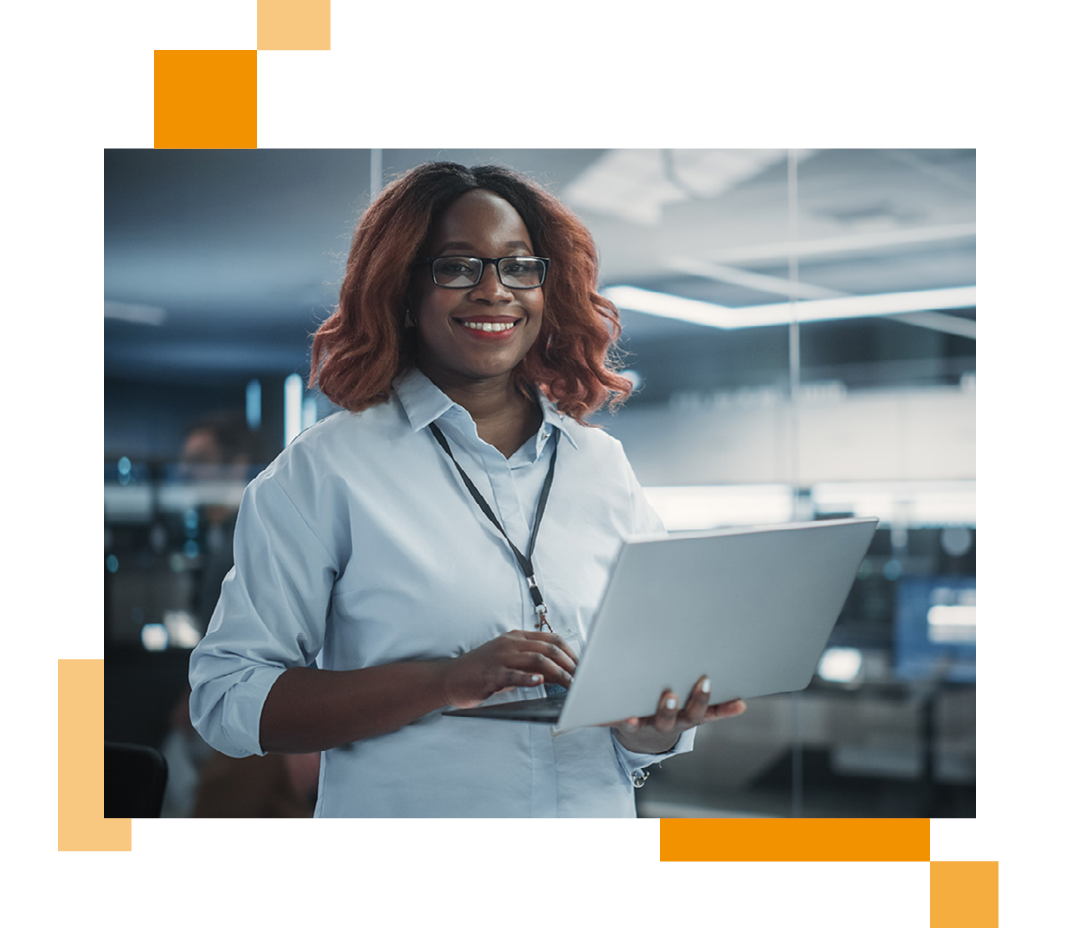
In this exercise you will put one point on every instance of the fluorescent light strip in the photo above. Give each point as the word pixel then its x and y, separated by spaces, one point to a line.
pixel 909 503
pixel 843 244
pixel 766 283
pixel 714 315
pixel 694 508
pixel 121 311
pixel 294 395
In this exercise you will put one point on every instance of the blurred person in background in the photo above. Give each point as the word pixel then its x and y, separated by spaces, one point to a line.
pixel 371 591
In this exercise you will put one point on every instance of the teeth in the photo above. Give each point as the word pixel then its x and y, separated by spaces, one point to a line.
pixel 489 326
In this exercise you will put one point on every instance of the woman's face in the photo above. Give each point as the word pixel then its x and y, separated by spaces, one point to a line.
pixel 482 332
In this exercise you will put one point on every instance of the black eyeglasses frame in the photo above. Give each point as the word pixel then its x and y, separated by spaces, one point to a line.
pixel 545 263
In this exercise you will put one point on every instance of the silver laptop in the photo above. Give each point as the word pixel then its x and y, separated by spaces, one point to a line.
pixel 751 608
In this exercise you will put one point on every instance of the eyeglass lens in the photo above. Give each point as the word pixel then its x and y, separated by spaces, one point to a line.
pixel 520 273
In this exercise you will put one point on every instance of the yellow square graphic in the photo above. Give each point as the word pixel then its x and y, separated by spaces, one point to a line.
pixel 294 25
pixel 964 894
pixel 205 99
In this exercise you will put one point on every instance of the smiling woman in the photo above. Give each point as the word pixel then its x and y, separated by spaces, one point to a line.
pixel 371 591
pixel 473 328
pixel 367 342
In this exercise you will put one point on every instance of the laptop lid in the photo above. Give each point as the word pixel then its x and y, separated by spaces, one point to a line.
pixel 751 608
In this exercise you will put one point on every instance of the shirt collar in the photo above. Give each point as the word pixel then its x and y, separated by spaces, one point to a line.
pixel 425 403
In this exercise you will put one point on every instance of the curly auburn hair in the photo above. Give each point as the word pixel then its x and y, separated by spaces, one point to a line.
pixel 359 349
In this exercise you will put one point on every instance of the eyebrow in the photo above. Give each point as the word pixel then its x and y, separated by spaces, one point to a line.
pixel 466 248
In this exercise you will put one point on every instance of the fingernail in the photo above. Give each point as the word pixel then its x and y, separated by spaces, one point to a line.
pixel 536 678
pixel 706 686
pixel 670 704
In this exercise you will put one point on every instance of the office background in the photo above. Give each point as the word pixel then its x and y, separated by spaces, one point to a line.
pixel 219 265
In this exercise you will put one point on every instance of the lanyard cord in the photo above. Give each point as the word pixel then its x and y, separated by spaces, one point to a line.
pixel 524 560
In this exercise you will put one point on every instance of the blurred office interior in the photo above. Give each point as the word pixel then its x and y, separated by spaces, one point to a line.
pixel 800 325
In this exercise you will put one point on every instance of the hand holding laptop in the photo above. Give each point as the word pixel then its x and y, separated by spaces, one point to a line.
pixel 656 734
pixel 517 658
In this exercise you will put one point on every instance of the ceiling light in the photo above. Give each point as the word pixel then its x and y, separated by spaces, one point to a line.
pixel 766 283
pixel 122 311
pixel 699 312
pixel 844 244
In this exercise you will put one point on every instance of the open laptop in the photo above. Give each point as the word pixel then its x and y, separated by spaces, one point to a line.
pixel 751 608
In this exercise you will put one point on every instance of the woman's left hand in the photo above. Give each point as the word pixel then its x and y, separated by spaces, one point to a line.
pixel 657 734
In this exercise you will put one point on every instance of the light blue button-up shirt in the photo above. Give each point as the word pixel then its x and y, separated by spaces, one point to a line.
pixel 359 546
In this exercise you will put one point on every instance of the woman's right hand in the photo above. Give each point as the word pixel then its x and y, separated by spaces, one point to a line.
pixel 517 658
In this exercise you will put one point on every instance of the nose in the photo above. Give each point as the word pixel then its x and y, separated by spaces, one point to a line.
pixel 489 288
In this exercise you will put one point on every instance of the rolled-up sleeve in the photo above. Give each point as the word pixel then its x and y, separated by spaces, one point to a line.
pixel 271 616
pixel 634 764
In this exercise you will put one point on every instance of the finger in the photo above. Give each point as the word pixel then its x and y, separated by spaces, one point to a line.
pixel 512 678
pixel 667 712
pixel 560 652
pixel 550 639
pixel 510 643
pixel 725 710
pixel 538 662
pixel 698 702
pixel 552 653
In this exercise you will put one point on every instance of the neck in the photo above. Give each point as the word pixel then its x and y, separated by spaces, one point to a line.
pixel 486 400
pixel 504 416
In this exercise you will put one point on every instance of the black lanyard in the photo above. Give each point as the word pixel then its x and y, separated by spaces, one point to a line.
pixel 524 560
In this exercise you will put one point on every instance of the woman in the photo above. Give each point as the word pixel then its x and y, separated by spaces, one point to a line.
pixel 371 589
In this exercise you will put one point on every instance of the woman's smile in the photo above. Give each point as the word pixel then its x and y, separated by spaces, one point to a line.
pixel 488 325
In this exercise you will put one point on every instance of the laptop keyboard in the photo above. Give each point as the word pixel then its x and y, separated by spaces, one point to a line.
pixel 525 707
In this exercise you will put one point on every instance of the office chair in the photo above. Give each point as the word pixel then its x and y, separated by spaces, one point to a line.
pixel 135 778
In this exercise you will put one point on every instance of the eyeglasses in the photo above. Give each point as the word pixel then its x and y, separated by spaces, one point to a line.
pixel 519 272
